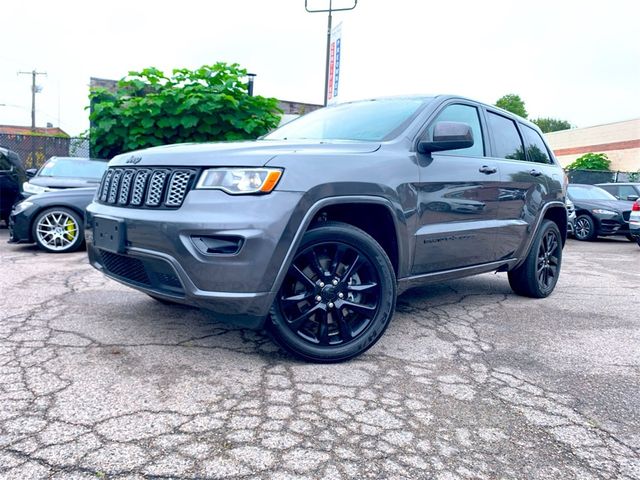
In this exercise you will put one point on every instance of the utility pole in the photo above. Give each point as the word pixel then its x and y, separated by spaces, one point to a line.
pixel 329 11
pixel 34 89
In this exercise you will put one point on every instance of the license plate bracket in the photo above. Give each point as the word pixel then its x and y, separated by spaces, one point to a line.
pixel 109 234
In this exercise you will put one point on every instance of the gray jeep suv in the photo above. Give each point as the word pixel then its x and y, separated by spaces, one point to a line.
pixel 312 231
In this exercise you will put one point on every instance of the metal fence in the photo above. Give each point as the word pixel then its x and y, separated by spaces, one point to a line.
pixel 34 150
pixel 592 177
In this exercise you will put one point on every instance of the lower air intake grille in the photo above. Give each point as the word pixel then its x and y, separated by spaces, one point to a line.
pixel 126 267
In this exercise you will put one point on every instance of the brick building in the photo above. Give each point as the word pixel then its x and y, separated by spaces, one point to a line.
pixel 619 140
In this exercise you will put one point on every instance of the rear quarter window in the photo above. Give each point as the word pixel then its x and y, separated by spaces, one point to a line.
pixel 536 148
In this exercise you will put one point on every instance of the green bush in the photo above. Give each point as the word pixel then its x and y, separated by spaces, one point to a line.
pixel 591 161
pixel 148 108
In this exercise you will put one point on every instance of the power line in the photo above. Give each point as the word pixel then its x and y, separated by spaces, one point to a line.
pixel 34 90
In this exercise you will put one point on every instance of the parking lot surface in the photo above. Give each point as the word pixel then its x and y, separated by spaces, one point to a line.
pixel 470 381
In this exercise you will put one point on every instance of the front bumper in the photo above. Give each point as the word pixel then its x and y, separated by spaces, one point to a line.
pixel 161 256
pixel 20 226
pixel 611 224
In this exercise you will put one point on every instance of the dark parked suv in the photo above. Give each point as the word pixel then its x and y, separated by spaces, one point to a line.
pixel 12 175
pixel 312 231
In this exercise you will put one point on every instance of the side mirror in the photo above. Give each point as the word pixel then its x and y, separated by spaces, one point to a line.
pixel 632 198
pixel 448 136
pixel 31 172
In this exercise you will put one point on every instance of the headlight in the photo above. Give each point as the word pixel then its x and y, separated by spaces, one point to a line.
pixel 601 211
pixel 21 207
pixel 31 188
pixel 240 180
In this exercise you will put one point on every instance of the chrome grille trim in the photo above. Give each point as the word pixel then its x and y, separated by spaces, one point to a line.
pixel 177 187
pixel 139 186
pixel 156 188
pixel 115 183
pixel 146 187
pixel 125 187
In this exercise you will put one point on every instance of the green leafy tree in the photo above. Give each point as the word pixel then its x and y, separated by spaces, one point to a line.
pixel 149 108
pixel 591 161
pixel 512 103
pixel 551 124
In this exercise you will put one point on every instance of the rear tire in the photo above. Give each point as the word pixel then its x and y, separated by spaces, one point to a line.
pixel 337 297
pixel 585 228
pixel 538 275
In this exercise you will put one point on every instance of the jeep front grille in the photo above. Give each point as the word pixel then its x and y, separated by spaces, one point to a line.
pixel 146 187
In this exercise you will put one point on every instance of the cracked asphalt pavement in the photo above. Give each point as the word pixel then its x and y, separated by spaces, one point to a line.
pixel 469 382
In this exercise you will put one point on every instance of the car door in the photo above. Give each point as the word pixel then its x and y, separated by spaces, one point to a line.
pixel 527 175
pixel 457 198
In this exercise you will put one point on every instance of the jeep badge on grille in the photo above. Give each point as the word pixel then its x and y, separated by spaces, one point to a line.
pixel 133 159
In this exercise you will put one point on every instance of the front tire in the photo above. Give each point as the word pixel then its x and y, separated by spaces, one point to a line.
pixel 58 230
pixel 538 275
pixel 337 297
pixel 585 228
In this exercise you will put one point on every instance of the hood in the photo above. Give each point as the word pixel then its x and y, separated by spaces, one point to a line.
pixel 254 153
pixel 64 182
pixel 73 192
pixel 616 205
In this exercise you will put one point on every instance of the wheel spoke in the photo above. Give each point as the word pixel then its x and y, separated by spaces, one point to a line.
pixel 296 323
pixel 337 258
pixel 315 265
pixel 345 330
pixel 357 307
pixel 362 287
pixel 353 268
pixel 298 298
pixel 302 277
pixel 323 331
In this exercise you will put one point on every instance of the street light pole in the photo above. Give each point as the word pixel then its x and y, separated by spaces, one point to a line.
pixel 329 11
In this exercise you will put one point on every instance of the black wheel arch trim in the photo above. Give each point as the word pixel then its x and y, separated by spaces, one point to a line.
pixel 402 239
pixel 541 217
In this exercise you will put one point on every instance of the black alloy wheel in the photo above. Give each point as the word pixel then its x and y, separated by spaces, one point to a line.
pixel 548 264
pixel 538 275
pixel 585 228
pixel 337 297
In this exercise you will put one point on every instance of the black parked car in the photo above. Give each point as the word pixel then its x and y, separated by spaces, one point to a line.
pixel 598 213
pixel 629 191
pixel 60 173
pixel 12 176
pixel 52 220
pixel 313 230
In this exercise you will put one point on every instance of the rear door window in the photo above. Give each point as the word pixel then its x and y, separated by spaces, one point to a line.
pixel 536 148
pixel 5 165
pixel 506 138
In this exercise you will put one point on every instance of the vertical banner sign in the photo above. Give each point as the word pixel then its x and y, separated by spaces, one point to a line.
pixel 334 64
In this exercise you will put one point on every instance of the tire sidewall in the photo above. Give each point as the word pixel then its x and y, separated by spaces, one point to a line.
pixel 77 242
pixel 365 244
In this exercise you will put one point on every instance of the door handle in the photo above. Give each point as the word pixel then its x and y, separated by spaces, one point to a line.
pixel 488 170
pixel 535 173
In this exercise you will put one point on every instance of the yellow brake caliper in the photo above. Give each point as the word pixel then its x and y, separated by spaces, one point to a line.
pixel 70 230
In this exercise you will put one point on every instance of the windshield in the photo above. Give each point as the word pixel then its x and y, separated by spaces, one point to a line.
pixel 74 168
pixel 371 120
pixel 589 193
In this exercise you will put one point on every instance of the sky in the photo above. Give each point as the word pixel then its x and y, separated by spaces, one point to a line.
pixel 574 60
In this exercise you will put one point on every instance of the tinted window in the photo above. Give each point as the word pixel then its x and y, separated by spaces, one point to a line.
pixel 4 163
pixel 465 114
pixel 68 167
pixel 625 191
pixel 506 138
pixel 536 149
pixel 371 120
pixel 585 192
